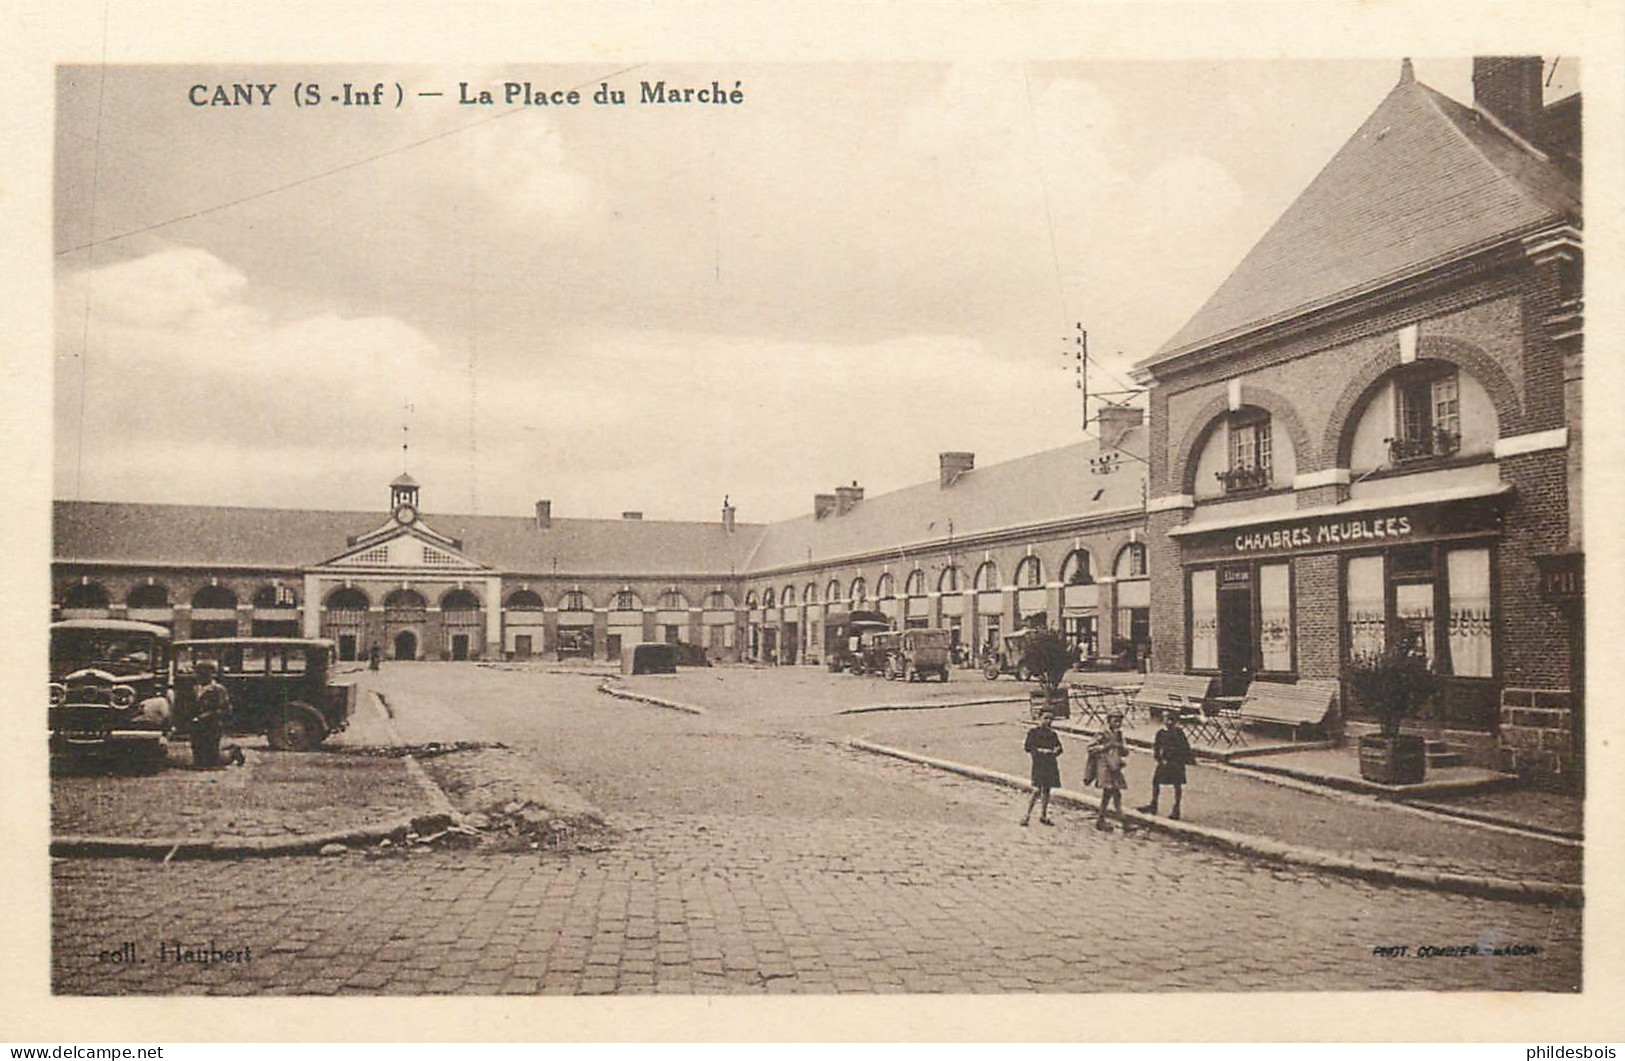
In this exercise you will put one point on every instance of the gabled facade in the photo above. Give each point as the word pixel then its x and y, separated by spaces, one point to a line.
pixel 1370 432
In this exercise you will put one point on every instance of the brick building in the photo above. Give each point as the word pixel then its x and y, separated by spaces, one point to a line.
pixel 1370 431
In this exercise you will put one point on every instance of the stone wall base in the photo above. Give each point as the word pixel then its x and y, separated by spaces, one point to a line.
pixel 1537 737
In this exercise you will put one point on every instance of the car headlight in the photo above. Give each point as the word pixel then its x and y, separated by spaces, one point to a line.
pixel 59 694
pixel 121 696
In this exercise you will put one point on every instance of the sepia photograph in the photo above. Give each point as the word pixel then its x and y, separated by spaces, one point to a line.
pixel 494 548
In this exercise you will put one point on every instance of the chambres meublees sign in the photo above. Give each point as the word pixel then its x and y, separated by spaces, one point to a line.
pixel 1324 532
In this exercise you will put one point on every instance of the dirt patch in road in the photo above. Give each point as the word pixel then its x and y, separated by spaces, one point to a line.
pixel 504 803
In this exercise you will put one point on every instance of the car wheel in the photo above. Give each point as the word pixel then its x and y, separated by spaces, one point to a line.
pixel 1023 674
pixel 990 670
pixel 299 729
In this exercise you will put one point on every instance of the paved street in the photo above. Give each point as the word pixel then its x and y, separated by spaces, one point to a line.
pixel 750 853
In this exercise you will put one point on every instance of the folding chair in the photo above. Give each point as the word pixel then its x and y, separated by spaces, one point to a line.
pixel 1091 705
pixel 1223 723
pixel 1196 722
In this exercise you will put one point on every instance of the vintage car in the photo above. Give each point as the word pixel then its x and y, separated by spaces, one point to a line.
pixel 279 687
pixel 850 642
pixel 918 653
pixel 1007 659
pixel 110 691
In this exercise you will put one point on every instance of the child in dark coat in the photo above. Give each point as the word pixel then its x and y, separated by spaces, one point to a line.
pixel 1172 750
pixel 1044 745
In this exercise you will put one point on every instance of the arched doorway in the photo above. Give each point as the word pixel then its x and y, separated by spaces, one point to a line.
pixel 406 645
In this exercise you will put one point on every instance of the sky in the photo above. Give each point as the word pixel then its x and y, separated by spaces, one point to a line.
pixel 649 306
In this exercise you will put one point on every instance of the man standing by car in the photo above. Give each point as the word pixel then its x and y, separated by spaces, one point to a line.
pixel 211 707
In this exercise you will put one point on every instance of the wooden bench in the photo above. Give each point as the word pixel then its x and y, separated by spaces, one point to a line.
pixel 1305 704
pixel 1176 692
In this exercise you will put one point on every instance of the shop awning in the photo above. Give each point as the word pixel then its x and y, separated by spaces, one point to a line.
pixel 1347 508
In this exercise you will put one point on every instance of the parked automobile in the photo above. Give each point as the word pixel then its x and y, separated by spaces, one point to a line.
pixel 110 691
pixel 279 686
pixel 849 640
pixel 1006 659
pixel 920 652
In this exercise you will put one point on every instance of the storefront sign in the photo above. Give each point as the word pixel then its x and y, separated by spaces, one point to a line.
pixel 1360 530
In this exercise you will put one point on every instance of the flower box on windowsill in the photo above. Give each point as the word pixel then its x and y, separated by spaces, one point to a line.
pixel 1431 445
pixel 1244 480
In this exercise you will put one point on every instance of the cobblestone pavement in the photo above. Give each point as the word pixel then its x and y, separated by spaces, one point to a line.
pixel 750 858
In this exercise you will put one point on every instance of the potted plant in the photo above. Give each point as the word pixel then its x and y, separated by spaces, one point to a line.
pixel 1393 684
pixel 1046 655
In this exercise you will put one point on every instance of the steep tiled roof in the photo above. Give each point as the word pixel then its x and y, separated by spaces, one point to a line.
pixel 1423 181
pixel 253 537
pixel 1054 485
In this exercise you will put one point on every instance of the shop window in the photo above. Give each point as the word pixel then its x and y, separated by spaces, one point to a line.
pixel 1275 617
pixel 788 596
pixel 948 581
pixel 1205 620
pixel 915 586
pixel 574 601
pixel 1428 410
pixel 717 600
pixel 809 594
pixel 347 599
pixel 149 596
pixel 1251 460
pixel 885 587
pixel 860 590
pixel 85 595
pixel 987 576
pixel 1030 572
pixel 524 600
pixel 672 600
pixel 1435 601
pixel 832 592
pixel 276 596
pixel 1075 569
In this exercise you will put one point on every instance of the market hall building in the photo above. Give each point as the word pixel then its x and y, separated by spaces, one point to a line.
pixel 978 551
pixel 1371 431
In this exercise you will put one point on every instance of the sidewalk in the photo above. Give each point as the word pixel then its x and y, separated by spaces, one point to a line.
pixel 275 803
pixel 1281 814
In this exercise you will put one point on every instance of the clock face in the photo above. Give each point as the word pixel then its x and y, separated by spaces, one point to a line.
pixel 405 513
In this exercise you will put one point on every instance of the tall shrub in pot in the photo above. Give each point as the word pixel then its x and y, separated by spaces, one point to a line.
pixel 1048 657
pixel 1394 684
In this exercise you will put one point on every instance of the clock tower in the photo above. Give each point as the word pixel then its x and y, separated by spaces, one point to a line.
pixel 403 499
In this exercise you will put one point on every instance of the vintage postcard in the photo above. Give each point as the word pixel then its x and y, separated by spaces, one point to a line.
pixel 910 532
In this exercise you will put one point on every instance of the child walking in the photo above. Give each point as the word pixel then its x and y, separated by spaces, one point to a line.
pixel 1044 745
pixel 1172 751
pixel 1108 751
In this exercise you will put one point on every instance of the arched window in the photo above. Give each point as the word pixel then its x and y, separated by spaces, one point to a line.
pixel 717 600
pixel 575 601
pixel 767 597
pixel 885 586
pixel 832 592
pixel 809 594
pixel 949 580
pixel 859 590
pixel 524 600
pixel 1030 572
pixel 460 600
pixel 276 597
pixel 214 597
pixel 750 599
pixel 1076 569
pixel 627 601
pixel 915 586
pixel 405 598
pixel 987 576
pixel 788 597
pixel 347 599
pixel 1131 561
pixel 85 595
pixel 673 600
pixel 152 595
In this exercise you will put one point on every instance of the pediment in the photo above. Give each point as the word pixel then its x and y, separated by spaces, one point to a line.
pixel 405 549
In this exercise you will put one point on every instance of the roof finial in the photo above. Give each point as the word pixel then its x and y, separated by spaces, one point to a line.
pixel 1406 73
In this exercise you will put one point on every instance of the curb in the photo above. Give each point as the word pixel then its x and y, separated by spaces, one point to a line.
pixel 1542 892
pixel 931 707
pixel 1394 793
pixel 607 687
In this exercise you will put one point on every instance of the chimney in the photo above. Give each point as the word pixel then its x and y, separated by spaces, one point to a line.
pixel 823 505
pixel 1508 87
pixel 1115 421
pixel 952 465
pixel 544 515
pixel 847 498
pixel 727 515
pixel 631 515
